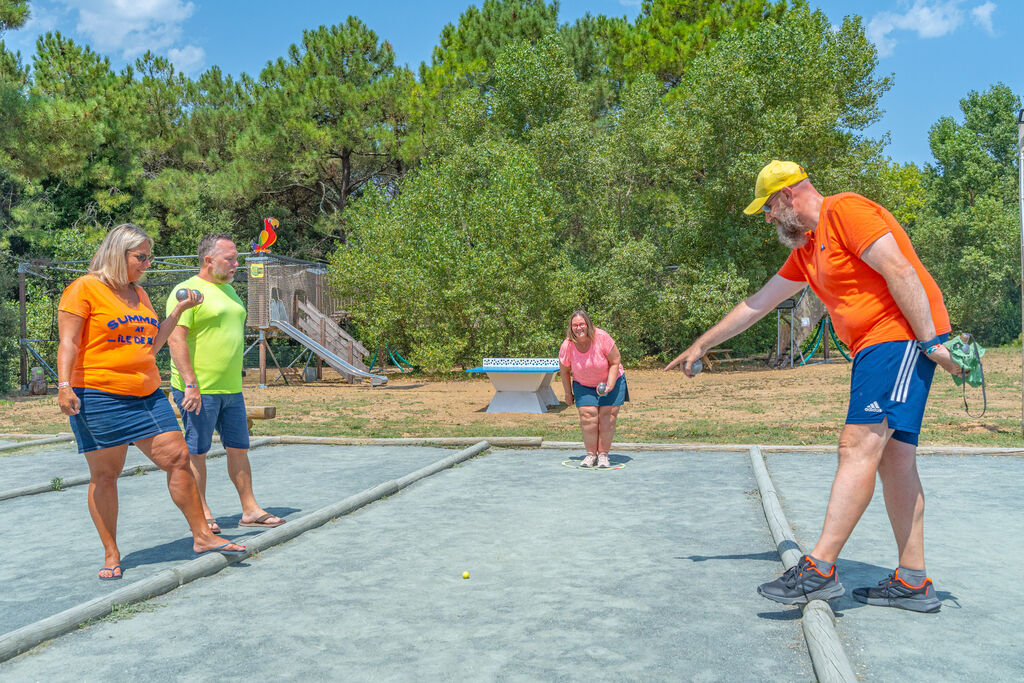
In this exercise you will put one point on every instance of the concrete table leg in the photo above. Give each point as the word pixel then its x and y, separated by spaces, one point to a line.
pixel 521 392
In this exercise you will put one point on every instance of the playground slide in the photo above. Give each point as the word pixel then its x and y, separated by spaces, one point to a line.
pixel 328 357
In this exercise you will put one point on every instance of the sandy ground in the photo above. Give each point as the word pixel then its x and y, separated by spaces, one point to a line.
pixel 804 405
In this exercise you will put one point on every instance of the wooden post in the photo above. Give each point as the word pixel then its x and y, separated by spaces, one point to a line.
pixel 323 343
pixel 24 328
pixel 263 361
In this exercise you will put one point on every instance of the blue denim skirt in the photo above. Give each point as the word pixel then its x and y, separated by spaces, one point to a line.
pixel 587 396
pixel 106 419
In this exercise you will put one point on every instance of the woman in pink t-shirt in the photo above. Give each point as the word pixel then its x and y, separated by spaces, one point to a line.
pixel 590 357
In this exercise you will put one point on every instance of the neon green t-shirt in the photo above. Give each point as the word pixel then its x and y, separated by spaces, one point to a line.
pixel 216 337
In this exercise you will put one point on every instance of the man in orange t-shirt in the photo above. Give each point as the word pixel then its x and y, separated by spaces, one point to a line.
pixel 887 308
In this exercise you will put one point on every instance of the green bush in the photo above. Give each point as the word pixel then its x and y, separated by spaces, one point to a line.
pixel 462 264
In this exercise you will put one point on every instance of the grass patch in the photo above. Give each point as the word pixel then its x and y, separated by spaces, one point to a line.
pixel 56 484
pixel 120 612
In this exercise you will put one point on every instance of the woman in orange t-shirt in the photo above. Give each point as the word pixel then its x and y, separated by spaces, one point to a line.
pixel 109 386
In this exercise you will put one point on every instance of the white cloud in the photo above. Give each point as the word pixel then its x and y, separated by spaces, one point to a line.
pixel 188 59
pixel 927 18
pixel 983 16
pixel 130 27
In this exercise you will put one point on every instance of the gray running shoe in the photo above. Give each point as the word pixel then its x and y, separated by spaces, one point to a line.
pixel 803 583
pixel 895 592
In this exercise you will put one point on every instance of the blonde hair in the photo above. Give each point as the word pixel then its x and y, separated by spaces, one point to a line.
pixel 586 318
pixel 109 263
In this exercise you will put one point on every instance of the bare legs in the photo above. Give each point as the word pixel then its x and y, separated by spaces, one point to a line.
pixel 169 453
pixel 598 425
pixel 241 476
pixel 864 450
pixel 105 467
pixel 606 417
pixel 904 501
pixel 589 425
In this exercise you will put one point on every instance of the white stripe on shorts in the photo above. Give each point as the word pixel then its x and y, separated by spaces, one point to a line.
pixel 902 387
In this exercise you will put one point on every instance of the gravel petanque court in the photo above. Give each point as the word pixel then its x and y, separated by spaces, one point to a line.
pixel 973 529
pixel 643 573
pixel 573 574
pixel 60 551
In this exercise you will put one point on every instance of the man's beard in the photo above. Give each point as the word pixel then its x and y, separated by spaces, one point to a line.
pixel 225 276
pixel 791 233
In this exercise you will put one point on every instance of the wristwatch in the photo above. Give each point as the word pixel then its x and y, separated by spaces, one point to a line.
pixel 929 347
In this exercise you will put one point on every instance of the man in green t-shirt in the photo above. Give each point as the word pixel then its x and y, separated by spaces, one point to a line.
pixel 206 375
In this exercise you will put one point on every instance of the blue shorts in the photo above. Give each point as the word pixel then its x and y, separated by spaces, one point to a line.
pixel 891 380
pixel 223 412
pixel 587 396
pixel 106 419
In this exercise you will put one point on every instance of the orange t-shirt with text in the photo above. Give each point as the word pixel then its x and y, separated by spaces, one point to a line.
pixel 856 295
pixel 115 352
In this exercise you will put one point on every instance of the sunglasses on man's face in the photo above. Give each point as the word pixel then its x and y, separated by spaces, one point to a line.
pixel 767 206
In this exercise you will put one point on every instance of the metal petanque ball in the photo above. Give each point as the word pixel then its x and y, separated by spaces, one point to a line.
pixel 182 294
pixel 601 388
pixel 697 366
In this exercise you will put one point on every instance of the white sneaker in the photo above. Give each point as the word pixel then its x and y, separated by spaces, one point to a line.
pixel 589 460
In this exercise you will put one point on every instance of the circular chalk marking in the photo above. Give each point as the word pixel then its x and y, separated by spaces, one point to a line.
pixel 575 465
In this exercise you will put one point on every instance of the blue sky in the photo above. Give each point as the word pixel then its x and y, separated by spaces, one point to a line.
pixel 936 50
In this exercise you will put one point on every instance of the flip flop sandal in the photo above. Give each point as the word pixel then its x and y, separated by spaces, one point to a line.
pixel 261 521
pixel 112 576
pixel 222 549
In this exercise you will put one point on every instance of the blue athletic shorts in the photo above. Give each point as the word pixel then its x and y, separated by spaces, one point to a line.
pixel 223 412
pixel 587 396
pixel 891 381
pixel 106 419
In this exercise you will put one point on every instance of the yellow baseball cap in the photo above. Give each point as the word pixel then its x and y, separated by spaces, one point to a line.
pixel 772 178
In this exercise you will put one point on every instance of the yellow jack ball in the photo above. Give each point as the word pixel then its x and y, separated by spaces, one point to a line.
pixel 465 575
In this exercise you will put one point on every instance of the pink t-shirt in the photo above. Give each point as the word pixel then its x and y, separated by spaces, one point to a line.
pixel 590 368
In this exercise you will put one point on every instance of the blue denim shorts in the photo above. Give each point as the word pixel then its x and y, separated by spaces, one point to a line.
pixel 587 396
pixel 106 419
pixel 223 412
pixel 890 381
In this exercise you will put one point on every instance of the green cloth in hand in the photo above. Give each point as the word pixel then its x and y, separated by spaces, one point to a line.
pixel 966 354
